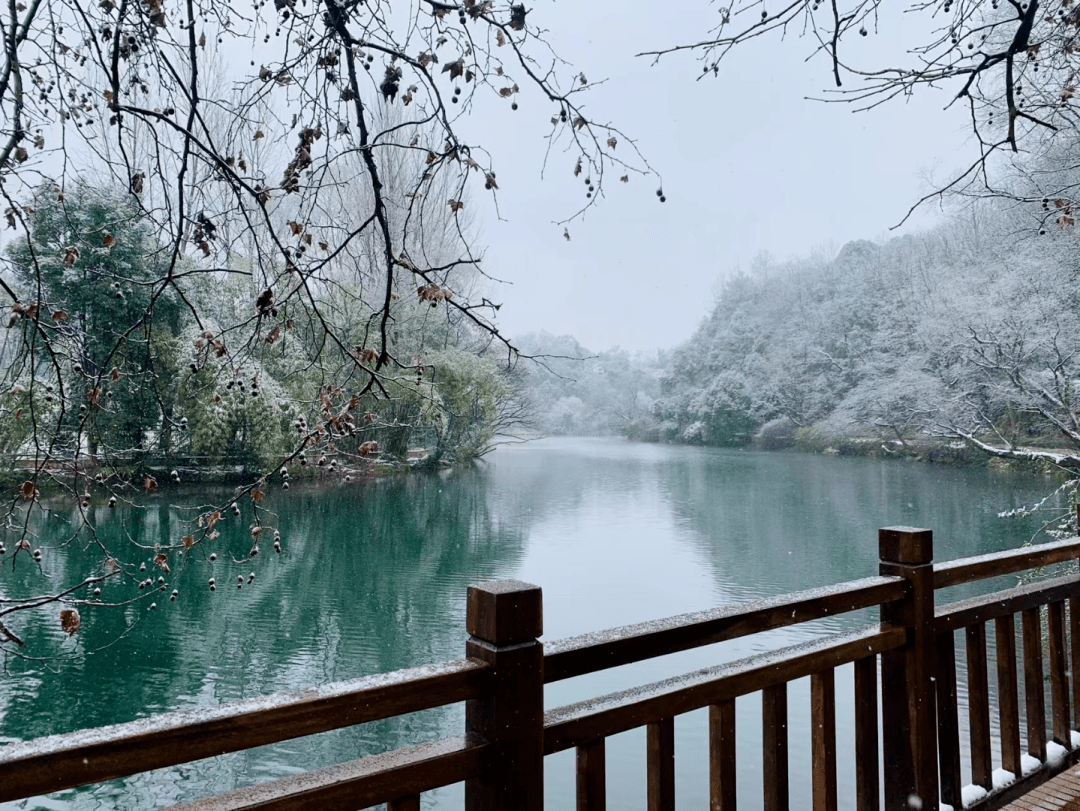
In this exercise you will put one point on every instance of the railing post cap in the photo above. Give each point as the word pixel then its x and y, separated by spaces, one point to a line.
pixel 907 545
pixel 503 612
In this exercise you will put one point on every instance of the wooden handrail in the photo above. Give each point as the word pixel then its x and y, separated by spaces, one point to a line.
pixel 962 614
pixel 359 783
pixel 994 564
pixel 588 653
pixel 90 756
pixel 587 721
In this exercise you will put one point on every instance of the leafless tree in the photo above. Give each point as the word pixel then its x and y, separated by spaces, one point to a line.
pixel 1013 63
pixel 299 184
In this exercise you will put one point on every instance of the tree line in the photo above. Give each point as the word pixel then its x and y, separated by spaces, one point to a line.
pixel 128 384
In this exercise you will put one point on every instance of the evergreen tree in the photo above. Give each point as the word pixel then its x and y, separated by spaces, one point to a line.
pixel 92 262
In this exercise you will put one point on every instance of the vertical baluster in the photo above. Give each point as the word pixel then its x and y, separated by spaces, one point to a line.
pixel 591 774
pixel 410 803
pixel 722 756
pixel 1074 643
pixel 867 785
pixel 1033 683
pixel 661 764
pixel 1059 681
pixel 979 706
pixel 823 738
pixel 775 747
pixel 1008 700
pixel 948 721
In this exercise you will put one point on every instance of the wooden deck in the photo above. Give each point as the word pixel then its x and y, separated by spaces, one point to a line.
pixel 1061 793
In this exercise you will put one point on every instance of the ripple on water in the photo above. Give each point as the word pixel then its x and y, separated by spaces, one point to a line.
pixel 373 580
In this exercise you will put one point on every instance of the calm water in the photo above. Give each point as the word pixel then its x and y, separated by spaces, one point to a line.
pixel 373 579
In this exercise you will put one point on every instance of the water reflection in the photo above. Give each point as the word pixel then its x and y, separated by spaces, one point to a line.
pixel 373 579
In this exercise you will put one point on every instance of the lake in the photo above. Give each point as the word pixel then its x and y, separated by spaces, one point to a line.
pixel 372 578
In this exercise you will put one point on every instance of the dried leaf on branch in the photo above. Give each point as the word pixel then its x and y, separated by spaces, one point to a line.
pixel 70 621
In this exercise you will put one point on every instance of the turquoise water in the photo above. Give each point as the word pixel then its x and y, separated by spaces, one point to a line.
pixel 373 577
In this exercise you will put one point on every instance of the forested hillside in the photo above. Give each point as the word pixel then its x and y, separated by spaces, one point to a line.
pixel 572 390
pixel 970 331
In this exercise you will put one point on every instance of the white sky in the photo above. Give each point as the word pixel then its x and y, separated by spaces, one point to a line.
pixel 748 165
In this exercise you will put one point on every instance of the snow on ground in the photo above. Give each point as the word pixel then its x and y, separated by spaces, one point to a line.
pixel 1029 764
pixel 970 794
pixel 1055 751
pixel 1074 738
pixel 1002 778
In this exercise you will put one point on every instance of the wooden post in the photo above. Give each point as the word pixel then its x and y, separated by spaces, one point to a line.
pixel 1008 701
pixel 908 710
pixel 1031 630
pixel 948 722
pixel 591 777
pixel 504 620
pixel 982 766
pixel 823 739
pixel 867 768
pixel 774 737
pixel 722 764
pixel 660 764
pixel 1059 677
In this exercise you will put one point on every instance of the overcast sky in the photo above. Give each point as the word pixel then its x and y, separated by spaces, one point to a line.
pixel 748 165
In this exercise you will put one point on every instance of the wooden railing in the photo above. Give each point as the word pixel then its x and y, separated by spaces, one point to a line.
pixel 913 753
pixel 1001 607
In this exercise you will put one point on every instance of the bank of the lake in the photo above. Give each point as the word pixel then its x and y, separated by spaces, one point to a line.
pixel 919 448
pixel 372 578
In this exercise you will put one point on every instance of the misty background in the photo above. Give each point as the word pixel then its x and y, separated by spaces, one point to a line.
pixel 750 164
